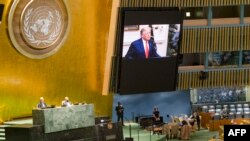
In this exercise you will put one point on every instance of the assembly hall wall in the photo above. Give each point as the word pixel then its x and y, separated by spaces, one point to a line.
pixel 76 70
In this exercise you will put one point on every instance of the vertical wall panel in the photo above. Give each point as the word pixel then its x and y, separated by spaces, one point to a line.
pixel 245 37
pixel 198 38
pixel 238 40
pixel 231 39
pixel 193 40
pixel 246 75
pixel 187 82
pixel 220 78
pixel 217 78
pixel 214 41
pixel 181 80
pixel 224 38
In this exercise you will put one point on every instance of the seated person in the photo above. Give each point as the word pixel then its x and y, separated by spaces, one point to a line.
pixel 224 113
pixel 156 116
pixel 41 103
pixel 66 102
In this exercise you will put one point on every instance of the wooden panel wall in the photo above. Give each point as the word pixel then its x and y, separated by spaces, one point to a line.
pixel 181 3
pixel 218 78
pixel 214 39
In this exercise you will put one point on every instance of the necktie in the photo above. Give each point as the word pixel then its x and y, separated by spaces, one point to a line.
pixel 146 50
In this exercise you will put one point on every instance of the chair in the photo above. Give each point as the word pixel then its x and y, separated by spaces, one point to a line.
pixel 232 110
pixel 238 115
pixel 246 109
pixel 204 108
pixel 185 132
pixel 211 107
pixel 225 106
pixel 157 126
pixel 240 110
pixel 166 131
pixel 211 110
pixel 232 106
pixel 217 116
pixel 246 105
pixel 217 110
pixel 157 129
pixel 231 115
pixel 246 114
pixel 239 105
pixel 175 131
pixel 218 106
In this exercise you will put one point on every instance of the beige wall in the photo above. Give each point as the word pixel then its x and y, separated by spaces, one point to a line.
pixel 76 70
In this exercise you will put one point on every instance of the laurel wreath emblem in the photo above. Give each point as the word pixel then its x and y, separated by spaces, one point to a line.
pixel 51 38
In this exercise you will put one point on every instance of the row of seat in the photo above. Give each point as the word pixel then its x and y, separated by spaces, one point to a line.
pixel 231 115
pixel 229 110
pixel 218 106
pixel 232 108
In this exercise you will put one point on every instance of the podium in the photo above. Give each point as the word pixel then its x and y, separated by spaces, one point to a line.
pixel 75 123
pixel 64 118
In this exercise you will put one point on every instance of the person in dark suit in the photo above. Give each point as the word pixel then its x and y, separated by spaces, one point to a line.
pixel 41 103
pixel 144 47
pixel 119 112
pixel 156 116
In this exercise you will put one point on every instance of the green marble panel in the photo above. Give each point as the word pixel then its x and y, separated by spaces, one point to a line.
pixel 64 118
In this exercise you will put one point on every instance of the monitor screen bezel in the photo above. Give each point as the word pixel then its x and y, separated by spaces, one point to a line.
pixel 119 50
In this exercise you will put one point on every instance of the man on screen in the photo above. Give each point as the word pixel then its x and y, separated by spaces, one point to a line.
pixel 144 47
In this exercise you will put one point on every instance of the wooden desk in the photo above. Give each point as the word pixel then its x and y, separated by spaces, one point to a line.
pixel 205 118
pixel 145 121
pixel 215 124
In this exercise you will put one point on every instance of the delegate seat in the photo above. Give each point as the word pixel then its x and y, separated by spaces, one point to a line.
pixel 231 115
pixel 238 115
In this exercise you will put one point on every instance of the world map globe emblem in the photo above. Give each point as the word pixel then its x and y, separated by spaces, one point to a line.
pixel 41 26
pixel 38 28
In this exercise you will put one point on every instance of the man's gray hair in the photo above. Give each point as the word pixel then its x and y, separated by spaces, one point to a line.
pixel 144 29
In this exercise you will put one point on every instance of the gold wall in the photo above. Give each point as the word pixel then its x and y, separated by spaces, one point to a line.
pixel 76 70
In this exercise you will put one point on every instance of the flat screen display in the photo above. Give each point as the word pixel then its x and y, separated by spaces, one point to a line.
pixel 148 50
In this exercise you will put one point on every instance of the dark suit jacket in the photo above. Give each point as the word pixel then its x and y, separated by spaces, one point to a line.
pixel 41 105
pixel 136 50
pixel 119 110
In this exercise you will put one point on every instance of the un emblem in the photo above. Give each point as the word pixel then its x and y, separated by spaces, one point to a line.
pixel 39 27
